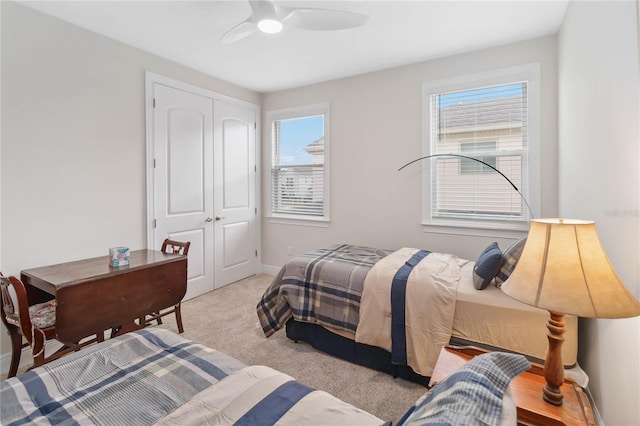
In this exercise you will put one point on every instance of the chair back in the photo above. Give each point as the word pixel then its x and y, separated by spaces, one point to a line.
pixel 11 318
pixel 177 247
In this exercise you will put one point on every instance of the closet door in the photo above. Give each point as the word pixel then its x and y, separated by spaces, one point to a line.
pixel 236 238
pixel 183 179
pixel 202 181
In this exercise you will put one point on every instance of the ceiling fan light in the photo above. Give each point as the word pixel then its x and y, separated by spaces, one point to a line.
pixel 270 26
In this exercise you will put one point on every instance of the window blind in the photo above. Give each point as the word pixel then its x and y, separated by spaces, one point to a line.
pixel 490 125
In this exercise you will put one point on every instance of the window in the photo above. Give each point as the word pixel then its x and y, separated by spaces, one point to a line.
pixel 481 129
pixel 299 167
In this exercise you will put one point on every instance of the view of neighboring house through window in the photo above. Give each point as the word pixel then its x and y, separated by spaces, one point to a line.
pixel 298 157
pixel 474 149
pixel 489 124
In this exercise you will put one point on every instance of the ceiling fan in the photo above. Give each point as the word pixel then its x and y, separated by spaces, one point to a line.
pixel 269 17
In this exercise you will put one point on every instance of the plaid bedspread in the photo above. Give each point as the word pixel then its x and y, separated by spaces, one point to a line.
pixel 134 379
pixel 258 395
pixel 472 395
pixel 323 286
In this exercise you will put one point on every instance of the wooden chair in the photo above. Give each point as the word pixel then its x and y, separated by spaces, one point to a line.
pixel 177 247
pixel 36 323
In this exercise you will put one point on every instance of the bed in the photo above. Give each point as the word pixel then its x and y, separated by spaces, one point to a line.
pixel 323 297
pixel 154 376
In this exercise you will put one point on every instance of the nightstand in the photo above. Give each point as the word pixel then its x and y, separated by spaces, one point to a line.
pixel 527 392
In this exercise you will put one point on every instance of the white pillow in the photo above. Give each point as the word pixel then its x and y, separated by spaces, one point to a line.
pixel 509 409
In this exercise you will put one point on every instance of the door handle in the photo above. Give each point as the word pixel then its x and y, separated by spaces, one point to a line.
pixel 209 219
pixel 219 218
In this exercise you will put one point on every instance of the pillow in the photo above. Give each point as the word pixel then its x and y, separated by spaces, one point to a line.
pixel 487 266
pixel 510 259
pixel 509 409
pixel 473 395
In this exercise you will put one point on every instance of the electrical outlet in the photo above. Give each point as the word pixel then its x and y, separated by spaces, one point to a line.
pixel 290 251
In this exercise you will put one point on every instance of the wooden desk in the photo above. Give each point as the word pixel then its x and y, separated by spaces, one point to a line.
pixel 93 296
pixel 527 392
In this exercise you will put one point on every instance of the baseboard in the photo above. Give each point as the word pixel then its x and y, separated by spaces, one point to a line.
pixel 596 413
pixel 271 270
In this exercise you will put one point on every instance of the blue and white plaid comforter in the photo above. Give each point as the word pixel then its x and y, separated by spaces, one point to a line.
pixel 471 396
pixel 155 377
pixel 134 379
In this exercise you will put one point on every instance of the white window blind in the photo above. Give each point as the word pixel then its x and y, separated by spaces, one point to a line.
pixel 298 166
pixel 489 124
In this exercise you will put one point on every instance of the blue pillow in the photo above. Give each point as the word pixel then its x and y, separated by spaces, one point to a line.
pixel 470 396
pixel 487 266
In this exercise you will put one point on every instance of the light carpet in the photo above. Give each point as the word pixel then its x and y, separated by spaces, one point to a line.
pixel 226 320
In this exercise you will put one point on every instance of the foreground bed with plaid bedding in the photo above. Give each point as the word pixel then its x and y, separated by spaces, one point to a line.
pixel 154 376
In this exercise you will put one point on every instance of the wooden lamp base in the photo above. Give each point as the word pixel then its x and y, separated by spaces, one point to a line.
pixel 553 366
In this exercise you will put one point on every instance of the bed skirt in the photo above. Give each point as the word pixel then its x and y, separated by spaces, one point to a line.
pixel 349 350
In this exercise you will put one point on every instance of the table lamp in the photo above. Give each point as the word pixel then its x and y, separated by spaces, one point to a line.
pixel 564 269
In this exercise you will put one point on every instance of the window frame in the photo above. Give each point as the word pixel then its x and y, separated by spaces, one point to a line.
pixel 289 114
pixel 531 156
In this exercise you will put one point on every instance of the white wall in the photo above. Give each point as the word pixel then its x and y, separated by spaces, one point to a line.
pixel 599 179
pixel 73 140
pixel 376 128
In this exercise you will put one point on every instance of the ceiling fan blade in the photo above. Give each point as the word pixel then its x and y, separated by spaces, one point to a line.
pixel 261 9
pixel 322 19
pixel 240 31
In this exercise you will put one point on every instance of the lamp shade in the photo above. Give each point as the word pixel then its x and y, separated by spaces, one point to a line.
pixel 563 268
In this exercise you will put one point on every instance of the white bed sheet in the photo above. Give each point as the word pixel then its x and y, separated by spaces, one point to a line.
pixel 492 318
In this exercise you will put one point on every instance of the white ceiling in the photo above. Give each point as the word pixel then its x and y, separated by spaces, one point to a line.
pixel 396 33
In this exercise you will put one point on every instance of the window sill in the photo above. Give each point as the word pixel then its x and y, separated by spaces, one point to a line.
pixel 318 222
pixel 479 229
